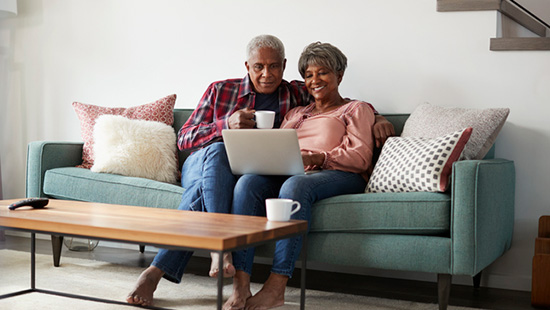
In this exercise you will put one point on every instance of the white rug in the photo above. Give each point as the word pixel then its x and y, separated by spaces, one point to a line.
pixel 111 281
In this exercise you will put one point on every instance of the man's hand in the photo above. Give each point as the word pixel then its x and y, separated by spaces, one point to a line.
pixel 242 119
pixel 382 129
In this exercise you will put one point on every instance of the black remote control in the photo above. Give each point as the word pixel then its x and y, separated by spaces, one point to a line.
pixel 36 203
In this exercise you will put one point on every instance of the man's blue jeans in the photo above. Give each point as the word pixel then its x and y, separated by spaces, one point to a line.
pixel 249 199
pixel 209 184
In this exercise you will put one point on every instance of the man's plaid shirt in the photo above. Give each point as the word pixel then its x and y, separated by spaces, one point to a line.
pixel 224 98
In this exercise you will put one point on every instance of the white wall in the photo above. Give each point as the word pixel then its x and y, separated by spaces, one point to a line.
pixel 401 53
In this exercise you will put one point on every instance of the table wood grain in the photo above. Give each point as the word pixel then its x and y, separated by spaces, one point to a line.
pixel 198 230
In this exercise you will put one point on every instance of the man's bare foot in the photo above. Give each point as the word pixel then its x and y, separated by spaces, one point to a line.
pixel 241 292
pixel 228 268
pixel 145 287
pixel 271 295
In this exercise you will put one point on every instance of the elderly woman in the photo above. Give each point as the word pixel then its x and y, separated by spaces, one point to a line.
pixel 336 139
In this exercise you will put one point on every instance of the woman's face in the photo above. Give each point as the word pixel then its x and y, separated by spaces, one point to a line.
pixel 321 82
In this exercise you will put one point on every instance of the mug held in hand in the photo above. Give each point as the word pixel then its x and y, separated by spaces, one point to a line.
pixel 280 210
pixel 264 119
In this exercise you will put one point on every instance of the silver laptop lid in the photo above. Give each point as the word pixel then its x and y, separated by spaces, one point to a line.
pixel 263 151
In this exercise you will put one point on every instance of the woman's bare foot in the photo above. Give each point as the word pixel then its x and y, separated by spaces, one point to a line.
pixel 241 291
pixel 271 295
pixel 228 268
pixel 145 287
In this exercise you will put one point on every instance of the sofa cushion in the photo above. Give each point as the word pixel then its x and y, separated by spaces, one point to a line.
pixel 159 111
pixel 430 121
pixel 419 213
pixel 81 184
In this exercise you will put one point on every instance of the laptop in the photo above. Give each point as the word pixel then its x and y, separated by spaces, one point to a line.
pixel 263 151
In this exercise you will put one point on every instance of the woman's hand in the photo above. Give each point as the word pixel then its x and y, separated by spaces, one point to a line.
pixel 382 129
pixel 313 161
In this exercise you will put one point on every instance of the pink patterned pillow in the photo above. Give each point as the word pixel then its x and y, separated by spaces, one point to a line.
pixel 159 111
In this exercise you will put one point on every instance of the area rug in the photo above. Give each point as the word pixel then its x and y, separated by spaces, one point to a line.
pixel 112 281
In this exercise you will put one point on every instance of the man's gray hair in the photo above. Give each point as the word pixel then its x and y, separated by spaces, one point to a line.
pixel 322 54
pixel 265 40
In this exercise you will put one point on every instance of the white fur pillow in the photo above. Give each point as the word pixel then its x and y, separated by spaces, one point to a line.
pixel 135 148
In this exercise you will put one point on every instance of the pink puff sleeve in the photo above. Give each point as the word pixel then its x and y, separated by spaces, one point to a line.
pixel 354 154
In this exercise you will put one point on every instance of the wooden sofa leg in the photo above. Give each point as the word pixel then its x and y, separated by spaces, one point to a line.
pixel 57 243
pixel 141 248
pixel 477 280
pixel 443 289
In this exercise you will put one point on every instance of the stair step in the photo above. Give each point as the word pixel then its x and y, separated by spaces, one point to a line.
pixel 467 5
pixel 520 44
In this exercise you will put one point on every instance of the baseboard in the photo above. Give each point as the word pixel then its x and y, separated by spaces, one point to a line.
pixel 499 281
pixel 488 280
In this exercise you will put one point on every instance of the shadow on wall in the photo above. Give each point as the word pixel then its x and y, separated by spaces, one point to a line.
pixel 14 109
pixel 531 200
pixel 527 155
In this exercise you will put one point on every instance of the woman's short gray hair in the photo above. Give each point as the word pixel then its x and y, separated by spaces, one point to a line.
pixel 265 40
pixel 322 54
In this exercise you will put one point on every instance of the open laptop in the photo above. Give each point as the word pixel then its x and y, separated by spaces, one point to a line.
pixel 263 151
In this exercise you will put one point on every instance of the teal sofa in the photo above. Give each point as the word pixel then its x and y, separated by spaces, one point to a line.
pixel 459 232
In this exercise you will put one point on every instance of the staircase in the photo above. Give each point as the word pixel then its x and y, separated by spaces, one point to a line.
pixel 515 12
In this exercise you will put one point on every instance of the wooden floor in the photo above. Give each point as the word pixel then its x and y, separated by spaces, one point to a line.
pixel 465 296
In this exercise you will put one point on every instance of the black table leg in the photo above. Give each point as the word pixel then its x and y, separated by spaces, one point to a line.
pixel 33 261
pixel 303 273
pixel 220 280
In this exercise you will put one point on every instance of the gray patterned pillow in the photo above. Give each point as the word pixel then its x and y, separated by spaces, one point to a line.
pixel 430 121
pixel 417 164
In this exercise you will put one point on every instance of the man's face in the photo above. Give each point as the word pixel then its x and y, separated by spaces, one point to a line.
pixel 265 68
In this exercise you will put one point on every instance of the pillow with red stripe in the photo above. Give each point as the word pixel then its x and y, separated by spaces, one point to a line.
pixel 159 111
pixel 412 164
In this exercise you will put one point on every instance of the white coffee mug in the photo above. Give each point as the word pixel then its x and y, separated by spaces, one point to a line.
pixel 264 119
pixel 280 210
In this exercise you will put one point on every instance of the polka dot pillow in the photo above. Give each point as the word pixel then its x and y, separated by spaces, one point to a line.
pixel 159 111
pixel 412 164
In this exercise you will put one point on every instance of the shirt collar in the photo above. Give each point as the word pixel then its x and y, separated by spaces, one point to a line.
pixel 246 87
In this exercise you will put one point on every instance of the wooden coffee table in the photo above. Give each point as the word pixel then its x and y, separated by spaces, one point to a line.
pixel 172 229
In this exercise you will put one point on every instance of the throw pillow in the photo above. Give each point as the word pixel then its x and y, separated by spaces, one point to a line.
pixel 160 111
pixel 430 121
pixel 417 164
pixel 136 148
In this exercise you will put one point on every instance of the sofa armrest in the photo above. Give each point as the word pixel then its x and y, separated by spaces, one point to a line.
pixel 45 155
pixel 482 213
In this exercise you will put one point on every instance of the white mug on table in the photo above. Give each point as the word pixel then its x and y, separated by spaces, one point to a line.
pixel 280 210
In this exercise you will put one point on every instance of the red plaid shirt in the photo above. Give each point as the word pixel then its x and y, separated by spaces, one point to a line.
pixel 224 98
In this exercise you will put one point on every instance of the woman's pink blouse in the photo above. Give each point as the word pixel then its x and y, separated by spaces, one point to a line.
pixel 344 135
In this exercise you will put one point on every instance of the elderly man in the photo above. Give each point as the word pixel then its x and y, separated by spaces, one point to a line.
pixel 206 175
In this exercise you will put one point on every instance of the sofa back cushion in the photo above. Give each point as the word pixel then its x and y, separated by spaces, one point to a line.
pixel 180 117
pixel 398 121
